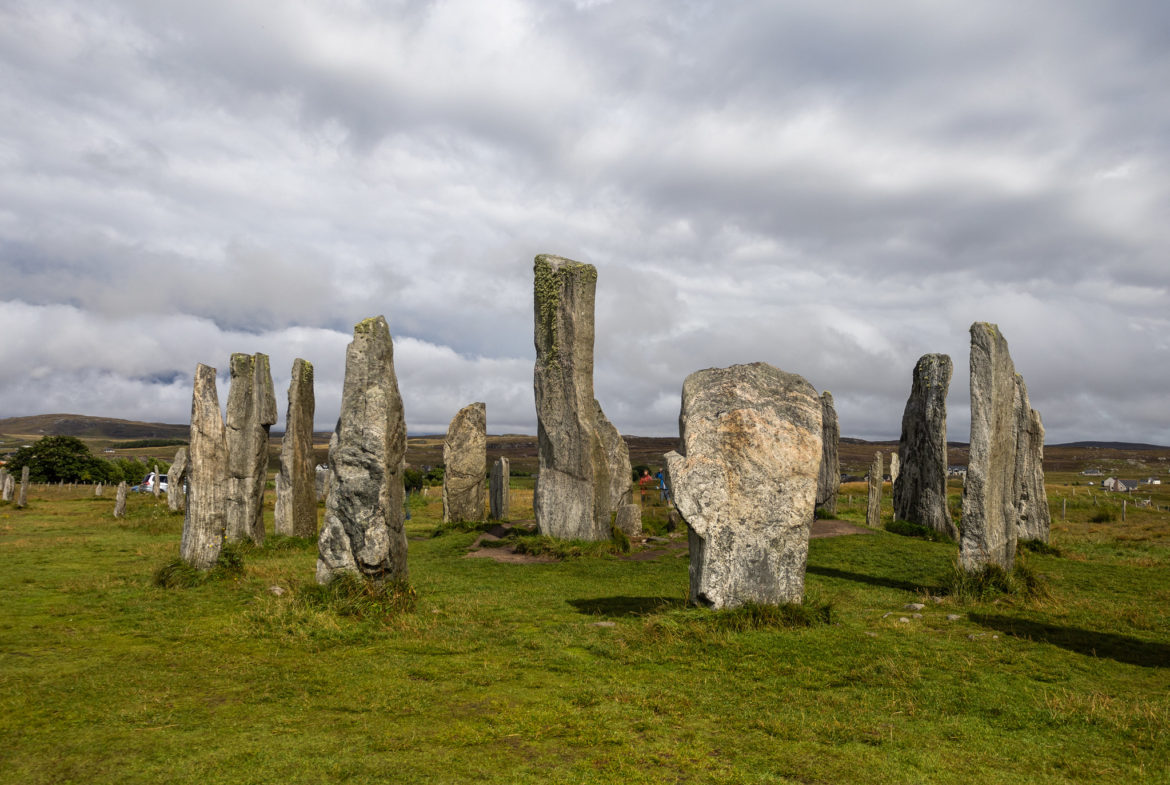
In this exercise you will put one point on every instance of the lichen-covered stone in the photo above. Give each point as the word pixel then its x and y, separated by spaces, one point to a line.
pixel 295 514
pixel 920 491
pixel 22 497
pixel 363 528
pixel 499 492
pixel 989 493
pixel 176 477
pixel 464 461
pixel 251 411
pixel 120 500
pixel 1034 520
pixel 829 478
pixel 617 459
pixel 206 520
pixel 873 510
pixel 745 481
pixel 572 495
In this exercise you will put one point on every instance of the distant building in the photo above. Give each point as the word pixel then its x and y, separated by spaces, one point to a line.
pixel 957 471
pixel 1121 486
pixel 1153 481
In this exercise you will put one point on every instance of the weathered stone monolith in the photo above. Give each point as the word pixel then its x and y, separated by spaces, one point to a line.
pixel 156 482
pixel 206 519
pixel 251 411
pixel 9 487
pixel 4 494
pixel 1034 518
pixel 989 493
pixel 363 529
pixel 895 468
pixel 500 493
pixel 873 510
pixel 176 481
pixel 829 479
pixel 296 483
pixel 617 459
pixel 628 519
pixel 323 478
pixel 920 492
pixel 573 490
pixel 464 461
pixel 120 500
pixel 22 497
pixel 97 490
pixel 745 481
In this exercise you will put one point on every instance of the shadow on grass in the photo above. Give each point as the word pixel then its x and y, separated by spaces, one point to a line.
pixel 1122 648
pixel 626 606
pixel 875 580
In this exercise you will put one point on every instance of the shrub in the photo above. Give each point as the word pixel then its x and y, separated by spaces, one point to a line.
pixel 1103 516
pixel 1039 546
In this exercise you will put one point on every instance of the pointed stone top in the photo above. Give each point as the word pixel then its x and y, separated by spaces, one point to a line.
pixel 373 324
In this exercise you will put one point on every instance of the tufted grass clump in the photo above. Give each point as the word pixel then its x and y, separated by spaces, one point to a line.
pixel 910 529
pixel 178 574
pixel 1040 547
pixel 991 581
pixel 354 596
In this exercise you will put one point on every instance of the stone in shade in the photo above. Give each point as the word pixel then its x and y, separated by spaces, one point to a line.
pixel 363 528
pixel 1035 520
pixel 500 493
pixel 176 477
pixel 745 481
pixel 873 510
pixel 920 491
pixel 251 411
pixel 829 479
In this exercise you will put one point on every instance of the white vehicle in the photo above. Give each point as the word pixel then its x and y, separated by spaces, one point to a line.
pixel 147 485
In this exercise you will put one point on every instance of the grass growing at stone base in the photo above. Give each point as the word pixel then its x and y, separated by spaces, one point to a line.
pixel 592 669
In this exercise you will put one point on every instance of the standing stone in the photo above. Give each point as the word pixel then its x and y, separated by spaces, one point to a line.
pixel 920 492
pixel 176 481
pixel 829 479
pixel 22 499
pixel 97 490
pixel 323 478
pixel 500 493
pixel 296 486
pixel 156 483
pixel 205 522
pixel 572 498
pixel 989 493
pixel 464 459
pixel 5 494
pixel 1035 520
pixel 628 519
pixel 120 501
pixel 895 468
pixel 745 481
pixel 627 516
pixel 363 530
pixel 873 512
pixel 9 487
pixel 251 411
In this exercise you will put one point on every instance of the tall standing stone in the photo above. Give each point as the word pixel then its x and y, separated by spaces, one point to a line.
pixel 5 493
pixel 829 478
pixel 1034 518
pixel 499 491
pixel 251 411
pixel 363 530
pixel 176 481
pixel 920 492
pixel 9 487
pixel 120 500
pixel 97 490
pixel 873 510
pixel 296 484
pixel 745 480
pixel 573 490
pixel 22 498
pixel 464 461
pixel 206 519
pixel 989 493
pixel 895 468
pixel 156 482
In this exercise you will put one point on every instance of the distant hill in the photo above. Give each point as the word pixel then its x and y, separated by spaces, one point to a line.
pixel 83 426
pixel 1111 445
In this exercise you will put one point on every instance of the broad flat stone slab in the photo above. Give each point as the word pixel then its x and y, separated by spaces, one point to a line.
pixel 920 491
pixel 989 494
pixel 464 461
pixel 205 523
pixel 745 480
pixel 364 515
pixel 572 495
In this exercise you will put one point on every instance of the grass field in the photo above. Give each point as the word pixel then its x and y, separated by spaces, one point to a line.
pixel 585 670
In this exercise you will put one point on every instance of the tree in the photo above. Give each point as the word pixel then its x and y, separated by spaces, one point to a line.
pixel 61 458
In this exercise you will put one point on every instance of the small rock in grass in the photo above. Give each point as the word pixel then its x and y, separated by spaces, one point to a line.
pixel 888 613
pixel 604 624
pixel 917 615
pixel 278 591
pixel 953 617
pixel 913 606
pixel 903 620
pixel 937 600
pixel 871 634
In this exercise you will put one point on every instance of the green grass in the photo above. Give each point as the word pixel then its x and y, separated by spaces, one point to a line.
pixel 590 669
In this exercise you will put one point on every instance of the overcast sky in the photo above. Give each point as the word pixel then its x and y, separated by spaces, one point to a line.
pixel 832 187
